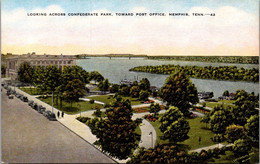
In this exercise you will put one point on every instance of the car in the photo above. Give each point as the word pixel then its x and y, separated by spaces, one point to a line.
pixel 8 93
pixel 24 99
pixel 11 97
pixel 30 103
pixel 52 117
pixel 35 106
pixel 42 110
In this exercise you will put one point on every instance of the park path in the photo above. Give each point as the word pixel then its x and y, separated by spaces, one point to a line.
pixel 220 145
pixel 148 133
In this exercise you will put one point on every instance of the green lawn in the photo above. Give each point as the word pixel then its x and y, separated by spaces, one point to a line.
pixel 213 104
pixel 31 91
pixel 227 101
pixel 107 98
pixel 77 107
pixel 196 130
pixel 229 157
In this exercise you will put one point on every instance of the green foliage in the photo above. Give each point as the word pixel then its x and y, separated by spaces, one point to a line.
pixel 145 84
pixel 25 73
pixel 74 90
pixel 116 134
pixel 218 138
pixel 179 91
pixel 252 128
pixel 143 95
pixel 97 113
pixel 134 91
pixel 246 104
pixel 52 78
pixel 162 153
pixel 241 147
pixel 222 73
pixel 173 125
pixel 3 69
pixel 220 118
pixel 226 93
pixel 155 108
pixel 234 132
pixel 91 101
pixel 124 90
pixel 114 88
pixel 96 76
pixel 104 85
pixel 213 59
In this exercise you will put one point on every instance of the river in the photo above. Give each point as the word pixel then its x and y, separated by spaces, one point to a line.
pixel 117 69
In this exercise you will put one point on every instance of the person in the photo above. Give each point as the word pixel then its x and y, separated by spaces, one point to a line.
pixel 58 114
pixel 62 114
pixel 199 139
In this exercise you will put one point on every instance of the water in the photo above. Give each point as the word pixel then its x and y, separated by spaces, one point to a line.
pixel 116 69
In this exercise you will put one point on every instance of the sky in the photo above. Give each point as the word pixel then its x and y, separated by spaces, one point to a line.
pixel 233 31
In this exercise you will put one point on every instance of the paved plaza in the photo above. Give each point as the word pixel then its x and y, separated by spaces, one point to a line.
pixel 29 137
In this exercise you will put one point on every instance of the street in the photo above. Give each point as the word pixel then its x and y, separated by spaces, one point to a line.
pixel 29 137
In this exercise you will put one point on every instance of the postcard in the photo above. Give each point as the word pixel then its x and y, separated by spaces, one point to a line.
pixel 149 81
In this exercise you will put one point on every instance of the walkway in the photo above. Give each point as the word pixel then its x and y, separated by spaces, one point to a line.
pixel 83 131
pixel 220 145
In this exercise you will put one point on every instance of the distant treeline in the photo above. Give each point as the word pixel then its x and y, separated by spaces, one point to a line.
pixel 231 73
pixel 212 59
pixel 110 55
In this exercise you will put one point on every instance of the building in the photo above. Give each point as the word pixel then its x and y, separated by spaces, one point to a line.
pixel 12 64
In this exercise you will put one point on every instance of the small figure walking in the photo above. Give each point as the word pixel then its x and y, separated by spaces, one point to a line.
pixel 62 114
pixel 58 114
pixel 199 139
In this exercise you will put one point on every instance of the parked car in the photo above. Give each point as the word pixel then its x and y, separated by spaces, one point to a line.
pixel 42 110
pixel 8 93
pixel 30 103
pixel 51 116
pixel 35 106
pixel 11 97
pixel 24 99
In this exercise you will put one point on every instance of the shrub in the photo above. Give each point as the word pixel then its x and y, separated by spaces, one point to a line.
pixel 218 138
pixel 91 101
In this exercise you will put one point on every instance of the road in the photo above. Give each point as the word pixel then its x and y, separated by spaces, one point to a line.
pixel 28 137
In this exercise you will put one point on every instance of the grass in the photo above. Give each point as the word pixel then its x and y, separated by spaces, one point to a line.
pixel 108 98
pixel 229 157
pixel 213 104
pixel 196 130
pixel 227 101
pixel 31 91
pixel 77 107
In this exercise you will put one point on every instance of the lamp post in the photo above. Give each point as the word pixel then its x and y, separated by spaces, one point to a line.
pixel 151 133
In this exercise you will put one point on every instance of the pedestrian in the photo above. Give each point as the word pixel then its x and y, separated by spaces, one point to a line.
pixel 62 114
pixel 58 114
pixel 199 139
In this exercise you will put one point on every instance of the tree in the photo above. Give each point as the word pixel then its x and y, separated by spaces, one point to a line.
pixel 143 95
pixel 134 91
pixel 145 84
pixel 234 132
pixel 116 134
pixel 220 118
pixel 225 93
pixel 114 88
pixel 3 69
pixel 104 85
pixel 252 128
pixel 162 153
pixel 244 111
pixel 155 108
pixel 74 90
pixel 25 73
pixel 241 147
pixel 96 76
pixel 173 125
pixel 179 91
pixel 124 90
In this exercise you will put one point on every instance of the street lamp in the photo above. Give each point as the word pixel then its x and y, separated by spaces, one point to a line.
pixel 151 133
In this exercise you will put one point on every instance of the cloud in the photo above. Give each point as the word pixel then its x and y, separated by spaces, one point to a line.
pixel 231 28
